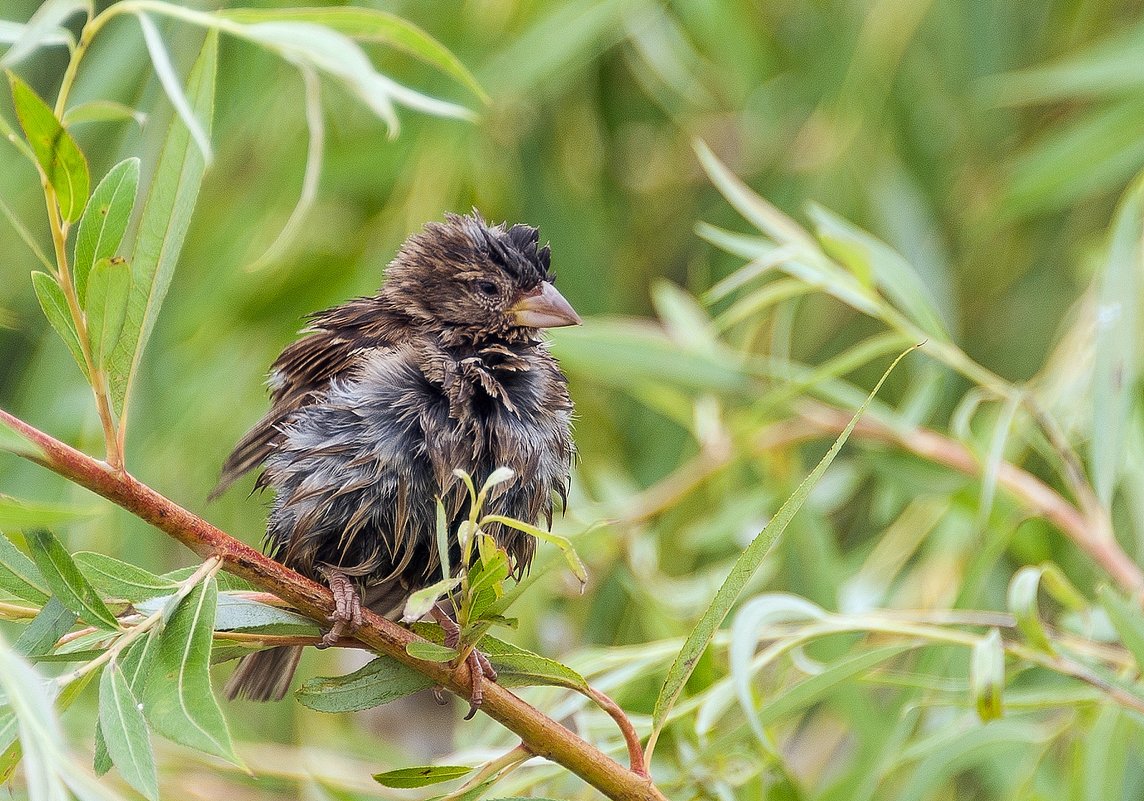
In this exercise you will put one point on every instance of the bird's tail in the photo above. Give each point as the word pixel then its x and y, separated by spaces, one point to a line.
pixel 264 675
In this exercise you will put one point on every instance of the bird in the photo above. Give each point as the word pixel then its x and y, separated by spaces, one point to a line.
pixel 382 398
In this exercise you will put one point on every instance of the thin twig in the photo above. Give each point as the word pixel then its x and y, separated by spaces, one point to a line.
pixel 542 735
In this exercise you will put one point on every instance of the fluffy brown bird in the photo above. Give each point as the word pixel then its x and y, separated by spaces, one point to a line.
pixel 383 398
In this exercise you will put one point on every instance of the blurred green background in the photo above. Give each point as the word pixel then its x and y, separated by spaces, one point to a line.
pixel 987 142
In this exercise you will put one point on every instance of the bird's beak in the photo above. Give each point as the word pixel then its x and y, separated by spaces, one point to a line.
pixel 544 307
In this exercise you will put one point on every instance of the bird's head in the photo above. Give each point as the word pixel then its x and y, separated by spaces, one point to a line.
pixel 472 281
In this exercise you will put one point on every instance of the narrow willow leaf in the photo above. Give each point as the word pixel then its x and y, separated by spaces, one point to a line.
pixel 165 70
pixel 116 579
pixel 755 209
pixel 13 441
pixel 163 225
pixel 56 152
pixel 20 576
pixel 55 307
pixel 422 602
pixel 40 737
pixel 104 222
pixel 368 25
pixel 1126 619
pixel 430 651
pixel 407 778
pixel 178 700
pixel 54 621
pixel 43 29
pixel 17 514
pixel 243 613
pixel 107 294
pixel 1022 600
pixel 379 682
pixel 1117 348
pixel 67 582
pixel 125 733
pixel 892 274
pixel 517 667
pixel 563 543
pixel 744 568
pixel 103 111
pixel 987 675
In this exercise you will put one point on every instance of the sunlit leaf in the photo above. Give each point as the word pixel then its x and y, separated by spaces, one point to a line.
pixel 105 220
pixel 1022 599
pixel 67 582
pixel 178 700
pixel 379 682
pixel 1128 622
pixel 125 732
pixel 56 152
pixel 171 85
pixel 422 602
pixel 563 543
pixel 517 667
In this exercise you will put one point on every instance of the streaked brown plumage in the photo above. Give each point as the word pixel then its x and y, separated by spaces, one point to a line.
pixel 385 396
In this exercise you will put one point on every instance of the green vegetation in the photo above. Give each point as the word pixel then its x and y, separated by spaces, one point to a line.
pixel 756 208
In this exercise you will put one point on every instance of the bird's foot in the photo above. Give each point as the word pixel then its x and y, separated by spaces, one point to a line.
pixel 347 607
pixel 480 668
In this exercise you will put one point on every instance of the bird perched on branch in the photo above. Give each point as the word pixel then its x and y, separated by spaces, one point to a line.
pixel 383 398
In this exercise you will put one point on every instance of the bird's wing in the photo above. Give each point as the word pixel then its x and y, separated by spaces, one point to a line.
pixel 332 348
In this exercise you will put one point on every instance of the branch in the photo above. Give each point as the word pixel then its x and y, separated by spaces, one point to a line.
pixel 539 733
pixel 1088 532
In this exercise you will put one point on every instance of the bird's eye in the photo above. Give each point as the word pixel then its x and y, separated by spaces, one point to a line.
pixel 488 289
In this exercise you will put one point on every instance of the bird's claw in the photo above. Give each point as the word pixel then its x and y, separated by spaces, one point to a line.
pixel 480 668
pixel 347 608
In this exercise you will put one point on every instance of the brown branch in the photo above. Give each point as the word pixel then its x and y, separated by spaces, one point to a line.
pixel 540 734
pixel 1090 535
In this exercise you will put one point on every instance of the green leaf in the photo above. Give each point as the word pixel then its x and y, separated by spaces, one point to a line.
pixel 165 71
pixel 1127 620
pixel 430 651
pixel 56 152
pixel 17 514
pixel 13 441
pixel 116 579
pixel 242 613
pixel 744 568
pixel 563 543
pixel 893 275
pixel 107 293
pixel 56 309
pixel 20 576
pixel 102 111
pixel 1022 600
pixel 163 225
pixel 178 699
pixel 103 224
pixel 406 778
pixel 517 667
pixel 421 602
pixel 44 28
pixel 987 675
pixel 54 621
pixel 66 582
pixel 379 682
pixel 125 732
pixel 1118 333
pixel 369 25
